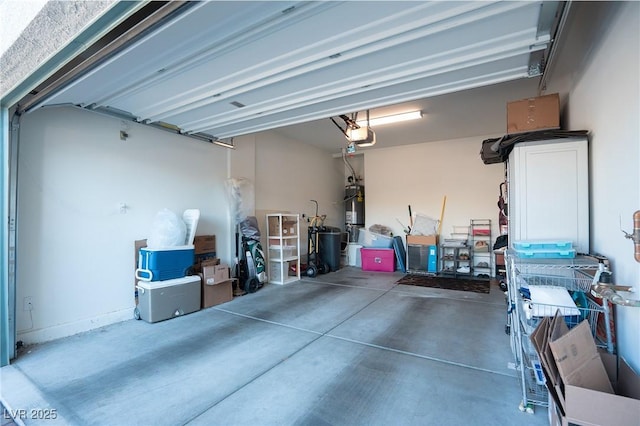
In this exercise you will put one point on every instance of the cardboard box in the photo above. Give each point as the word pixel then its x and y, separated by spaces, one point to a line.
pixel 215 274
pixel 592 407
pixel 205 259
pixel 205 244
pixel 531 114
pixel 273 224
pixel 217 294
pixel 582 380
pixel 209 262
pixel 285 228
pixel 288 228
pixel 422 240
pixel 576 356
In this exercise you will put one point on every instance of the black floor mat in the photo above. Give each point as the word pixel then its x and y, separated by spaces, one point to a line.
pixel 462 284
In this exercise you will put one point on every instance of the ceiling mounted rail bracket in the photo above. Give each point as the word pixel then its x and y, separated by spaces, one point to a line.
pixel 225 144
pixel 124 115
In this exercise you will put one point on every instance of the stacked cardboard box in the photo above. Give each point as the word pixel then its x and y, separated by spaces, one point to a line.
pixel 205 252
pixel 586 386
pixel 217 285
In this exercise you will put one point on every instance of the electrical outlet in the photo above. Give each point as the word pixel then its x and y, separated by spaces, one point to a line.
pixel 28 303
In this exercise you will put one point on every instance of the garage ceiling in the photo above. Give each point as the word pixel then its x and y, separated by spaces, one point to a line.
pixel 226 69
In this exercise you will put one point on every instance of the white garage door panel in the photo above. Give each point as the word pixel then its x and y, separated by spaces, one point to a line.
pixel 279 56
pixel 179 39
pixel 432 86
pixel 275 59
pixel 281 52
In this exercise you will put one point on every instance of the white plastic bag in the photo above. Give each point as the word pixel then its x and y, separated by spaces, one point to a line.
pixel 241 196
pixel 167 230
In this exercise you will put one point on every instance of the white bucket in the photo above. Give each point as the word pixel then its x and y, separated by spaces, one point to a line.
pixel 353 254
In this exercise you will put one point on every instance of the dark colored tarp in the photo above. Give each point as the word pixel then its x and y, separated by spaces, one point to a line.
pixel 497 150
pixel 249 228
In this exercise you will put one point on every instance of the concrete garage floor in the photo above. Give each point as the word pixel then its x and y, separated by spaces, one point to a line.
pixel 345 348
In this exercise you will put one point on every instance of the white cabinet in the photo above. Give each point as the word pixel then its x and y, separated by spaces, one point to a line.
pixel 283 247
pixel 549 191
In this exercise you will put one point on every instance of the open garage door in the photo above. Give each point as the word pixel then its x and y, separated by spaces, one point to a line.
pixel 214 70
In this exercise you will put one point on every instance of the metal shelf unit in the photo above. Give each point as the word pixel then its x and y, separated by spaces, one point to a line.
pixel 453 258
pixel 480 241
pixel 575 275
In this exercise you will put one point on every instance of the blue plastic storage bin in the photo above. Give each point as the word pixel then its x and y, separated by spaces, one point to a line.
pixel 545 254
pixel 161 264
pixel 370 239
pixel 543 245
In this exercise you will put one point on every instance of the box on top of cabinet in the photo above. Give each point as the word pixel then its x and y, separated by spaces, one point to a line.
pixel 526 115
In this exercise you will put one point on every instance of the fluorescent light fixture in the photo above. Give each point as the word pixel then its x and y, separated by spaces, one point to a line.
pixel 225 144
pixel 388 119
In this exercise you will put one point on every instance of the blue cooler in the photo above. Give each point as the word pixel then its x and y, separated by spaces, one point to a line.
pixel 159 264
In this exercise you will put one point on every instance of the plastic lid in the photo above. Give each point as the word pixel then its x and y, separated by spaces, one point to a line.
pixel 169 248
pixel 191 218
pixel 149 285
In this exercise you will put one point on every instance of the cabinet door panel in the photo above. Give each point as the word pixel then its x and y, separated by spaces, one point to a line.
pixel 549 192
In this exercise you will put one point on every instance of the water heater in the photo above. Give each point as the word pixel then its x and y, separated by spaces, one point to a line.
pixel 354 210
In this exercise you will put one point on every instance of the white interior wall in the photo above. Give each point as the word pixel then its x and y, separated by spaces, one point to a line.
pixel 355 165
pixel 422 175
pixel 289 174
pixel 75 248
pixel 605 99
